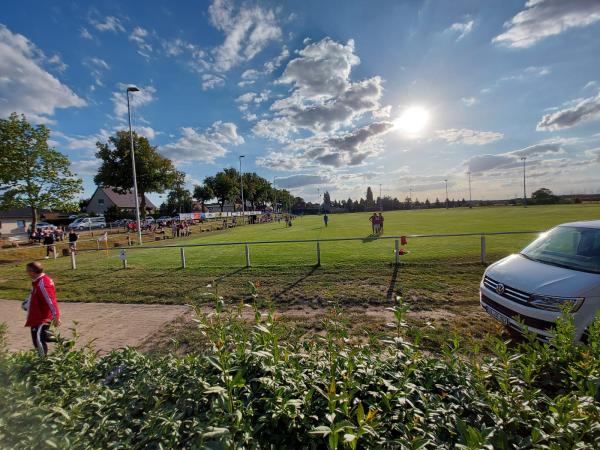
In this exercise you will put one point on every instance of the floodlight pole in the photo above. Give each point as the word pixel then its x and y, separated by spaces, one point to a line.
pixel 242 189
pixel 135 189
pixel 524 159
pixel 446 181
pixel 470 198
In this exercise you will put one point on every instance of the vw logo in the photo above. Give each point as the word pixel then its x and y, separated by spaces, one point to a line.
pixel 500 288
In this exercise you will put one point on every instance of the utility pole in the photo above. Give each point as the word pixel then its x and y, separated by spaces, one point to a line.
pixel 470 198
pixel 135 188
pixel 524 159
pixel 446 181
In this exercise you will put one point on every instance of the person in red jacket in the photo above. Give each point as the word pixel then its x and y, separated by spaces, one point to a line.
pixel 42 308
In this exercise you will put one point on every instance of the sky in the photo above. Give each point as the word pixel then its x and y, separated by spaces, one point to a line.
pixel 335 95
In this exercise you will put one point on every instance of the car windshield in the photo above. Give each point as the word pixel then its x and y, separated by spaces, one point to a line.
pixel 576 248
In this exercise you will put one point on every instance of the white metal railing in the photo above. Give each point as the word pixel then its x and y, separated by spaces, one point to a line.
pixel 398 239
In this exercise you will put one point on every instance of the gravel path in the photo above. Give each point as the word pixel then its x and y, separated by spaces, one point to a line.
pixel 111 325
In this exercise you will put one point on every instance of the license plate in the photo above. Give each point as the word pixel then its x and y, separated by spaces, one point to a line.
pixel 497 315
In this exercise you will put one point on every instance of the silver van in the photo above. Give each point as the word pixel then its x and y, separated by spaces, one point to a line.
pixel 88 223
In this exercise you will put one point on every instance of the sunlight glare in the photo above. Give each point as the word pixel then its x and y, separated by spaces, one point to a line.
pixel 413 120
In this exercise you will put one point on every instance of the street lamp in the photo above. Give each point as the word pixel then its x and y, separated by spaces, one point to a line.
pixel 470 199
pixel 135 189
pixel 242 189
pixel 524 159
pixel 446 181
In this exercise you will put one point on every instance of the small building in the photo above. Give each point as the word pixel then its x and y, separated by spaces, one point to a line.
pixel 15 221
pixel 216 207
pixel 106 197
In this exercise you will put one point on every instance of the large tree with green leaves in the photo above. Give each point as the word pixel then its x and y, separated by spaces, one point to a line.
pixel 224 185
pixel 179 199
pixel 203 193
pixel 32 174
pixel 155 173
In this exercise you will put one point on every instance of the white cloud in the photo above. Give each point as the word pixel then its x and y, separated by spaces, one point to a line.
pixel 85 34
pixel 109 23
pixel 26 87
pixel 148 132
pixel 137 99
pixel 205 146
pixel 211 81
pixel 322 69
pixel 279 161
pixel 461 28
pixel 468 137
pixel 250 117
pixel 270 66
pixel 327 104
pixel 85 167
pixel 527 73
pixel 296 181
pixel 248 30
pixel 57 62
pixel 594 153
pixel 510 160
pixel 543 18
pixel 584 110
pixel 138 36
pixel 469 101
pixel 97 67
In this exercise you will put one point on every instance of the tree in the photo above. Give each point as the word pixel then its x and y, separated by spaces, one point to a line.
pixel 155 173
pixel 179 199
pixel 544 196
pixel 326 199
pixel 32 174
pixel 203 193
pixel 224 185
pixel 370 202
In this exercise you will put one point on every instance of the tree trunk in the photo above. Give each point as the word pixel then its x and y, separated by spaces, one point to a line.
pixel 222 203
pixel 142 205
pixel 33 217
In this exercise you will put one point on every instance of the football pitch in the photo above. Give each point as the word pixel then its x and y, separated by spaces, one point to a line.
pixel 358 270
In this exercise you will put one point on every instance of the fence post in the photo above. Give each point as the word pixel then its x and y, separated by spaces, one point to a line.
pixel 247 255
pixel 73 261
pixel 318 253
pixel 182 251
pixel 483 249
pixel 396 252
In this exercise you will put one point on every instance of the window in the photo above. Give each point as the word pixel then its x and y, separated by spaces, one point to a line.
pixel 101 201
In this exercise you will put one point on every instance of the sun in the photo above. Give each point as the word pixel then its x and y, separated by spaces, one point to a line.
pixel 413 120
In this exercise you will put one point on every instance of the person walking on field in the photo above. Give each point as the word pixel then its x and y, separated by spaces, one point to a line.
pixel 325 219
pixel 42 308
pixel 49 241
pixel 73 237
pixel 381 222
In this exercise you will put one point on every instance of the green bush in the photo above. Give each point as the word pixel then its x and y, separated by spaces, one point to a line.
pixel 251 390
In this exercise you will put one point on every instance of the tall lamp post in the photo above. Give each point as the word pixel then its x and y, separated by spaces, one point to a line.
pixel 135 189
pixel 524 159
pixel 470 198
pixel 446 181
pixel 242 190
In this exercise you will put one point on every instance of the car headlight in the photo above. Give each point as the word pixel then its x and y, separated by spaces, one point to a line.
pixel 556 303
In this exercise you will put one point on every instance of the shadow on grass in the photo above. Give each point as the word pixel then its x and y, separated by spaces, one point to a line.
pixel 389 295
pixel 289 287
pixel 370 238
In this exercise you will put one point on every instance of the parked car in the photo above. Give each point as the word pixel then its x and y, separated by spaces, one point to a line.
pixel 163 220
pixel 44 226
pixel 560 269
pixel 87 223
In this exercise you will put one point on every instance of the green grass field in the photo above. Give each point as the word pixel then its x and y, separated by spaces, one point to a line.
pixel 155 274
pixel 439 278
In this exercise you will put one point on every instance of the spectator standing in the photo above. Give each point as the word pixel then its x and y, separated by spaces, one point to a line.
pixel 381 222
pixel 173 229
pixel 73 238
pixel 49 242
pixel 42 308
pixel 325 219
pixel 372 220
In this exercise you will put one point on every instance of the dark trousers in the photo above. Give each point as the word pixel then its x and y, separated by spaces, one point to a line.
pixel 40 336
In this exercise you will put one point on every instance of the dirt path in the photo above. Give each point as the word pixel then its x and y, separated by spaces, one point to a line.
pixel 112 325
